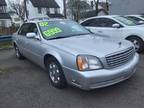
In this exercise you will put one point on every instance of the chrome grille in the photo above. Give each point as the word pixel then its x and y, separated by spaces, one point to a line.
pixel 120 58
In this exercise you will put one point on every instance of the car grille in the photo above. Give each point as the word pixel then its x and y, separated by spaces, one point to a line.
pixel 120 58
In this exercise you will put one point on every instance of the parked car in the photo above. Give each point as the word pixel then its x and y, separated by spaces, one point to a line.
pixel 72 55
pixel 118 27
pixel 138 19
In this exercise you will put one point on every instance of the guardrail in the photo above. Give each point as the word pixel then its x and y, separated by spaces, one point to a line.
pixel 5 38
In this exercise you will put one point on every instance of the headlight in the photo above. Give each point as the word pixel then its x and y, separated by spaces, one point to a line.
pixel 88 63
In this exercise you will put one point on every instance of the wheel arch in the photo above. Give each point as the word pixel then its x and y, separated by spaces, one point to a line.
pixel 50 55
pixel 131 36
pixel 14 44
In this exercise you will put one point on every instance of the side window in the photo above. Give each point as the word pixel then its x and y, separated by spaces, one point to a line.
pixel 27 28
pixel 105 22
pixel 88 22
pixel 94 23
pixel 99 22
pixel 24 29
pixel 33 28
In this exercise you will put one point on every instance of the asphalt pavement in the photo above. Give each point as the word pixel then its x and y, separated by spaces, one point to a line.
pixel 25 85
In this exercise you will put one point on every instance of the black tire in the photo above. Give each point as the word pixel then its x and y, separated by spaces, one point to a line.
pixel 17 53
pixel 56 74
pixel 138 42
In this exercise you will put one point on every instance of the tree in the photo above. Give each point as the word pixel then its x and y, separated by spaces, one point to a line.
pixel 96 6
pixel 64 4
pixel 18 9
pixel 76 7
pixel 107 5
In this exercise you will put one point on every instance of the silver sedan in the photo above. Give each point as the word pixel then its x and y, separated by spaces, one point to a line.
pixel 72 55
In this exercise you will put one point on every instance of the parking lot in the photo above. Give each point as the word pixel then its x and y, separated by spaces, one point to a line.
pixel 25 85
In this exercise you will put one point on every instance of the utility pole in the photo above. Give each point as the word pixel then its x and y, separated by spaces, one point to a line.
pixel 64 5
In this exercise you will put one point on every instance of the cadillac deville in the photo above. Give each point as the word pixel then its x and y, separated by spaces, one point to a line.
pixel 73 55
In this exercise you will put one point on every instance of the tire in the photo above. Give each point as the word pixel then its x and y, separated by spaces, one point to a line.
pixel 18 54
pixel 56 74
pixel 138 43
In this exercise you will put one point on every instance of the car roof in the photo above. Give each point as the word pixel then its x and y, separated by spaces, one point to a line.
pixel 37 21
pixel 103 16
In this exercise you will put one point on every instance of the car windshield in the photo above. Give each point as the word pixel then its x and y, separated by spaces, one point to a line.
pixel 136 20
pixel 61 29
pixel 142 16
pixel 125 21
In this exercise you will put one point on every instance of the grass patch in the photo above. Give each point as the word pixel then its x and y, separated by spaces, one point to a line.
pixel 5 45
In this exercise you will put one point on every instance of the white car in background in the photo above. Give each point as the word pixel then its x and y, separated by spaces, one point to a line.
pixel 138 19
pixel 117 27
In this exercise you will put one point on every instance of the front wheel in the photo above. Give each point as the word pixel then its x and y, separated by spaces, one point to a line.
pixel 138 43
pixel 56 74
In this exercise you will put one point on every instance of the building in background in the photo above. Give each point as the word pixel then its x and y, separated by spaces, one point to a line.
pixel 5 19
pixel 43 8
pixel 16 21
pixel 124 7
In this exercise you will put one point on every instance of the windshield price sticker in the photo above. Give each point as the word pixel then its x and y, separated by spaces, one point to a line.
pixel 43 24
pixel 52 32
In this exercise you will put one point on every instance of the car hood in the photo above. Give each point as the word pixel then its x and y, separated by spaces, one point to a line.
pixel 90 45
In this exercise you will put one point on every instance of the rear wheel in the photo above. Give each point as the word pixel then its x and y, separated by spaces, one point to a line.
pixel 17 53
pixel 56 74
pixel 138 43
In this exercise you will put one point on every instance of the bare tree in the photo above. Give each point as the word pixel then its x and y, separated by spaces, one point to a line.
pixel 18 9
pixel 107 5
pixel 64 4
pixel 96 6
pixel 77 7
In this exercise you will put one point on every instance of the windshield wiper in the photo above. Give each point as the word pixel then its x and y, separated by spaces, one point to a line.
pixel 57 38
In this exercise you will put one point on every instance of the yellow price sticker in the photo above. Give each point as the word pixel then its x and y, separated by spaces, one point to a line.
pixel 52 32
pixel 43 24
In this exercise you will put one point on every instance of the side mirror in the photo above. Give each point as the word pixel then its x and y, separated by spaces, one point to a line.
pixel 30 35
pixel 116 25
pixel 141 22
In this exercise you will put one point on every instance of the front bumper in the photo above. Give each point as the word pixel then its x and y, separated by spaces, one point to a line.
pixel 101 78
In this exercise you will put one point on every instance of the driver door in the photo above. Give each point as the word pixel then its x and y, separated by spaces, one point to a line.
pixel 34 46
